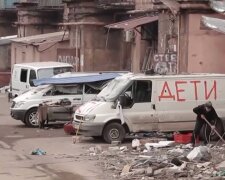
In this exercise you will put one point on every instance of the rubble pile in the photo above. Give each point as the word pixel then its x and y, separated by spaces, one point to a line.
pixel 147 159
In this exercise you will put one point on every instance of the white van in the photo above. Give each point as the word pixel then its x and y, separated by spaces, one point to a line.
pixel 77 88
pixel 23 74
pixel 144 103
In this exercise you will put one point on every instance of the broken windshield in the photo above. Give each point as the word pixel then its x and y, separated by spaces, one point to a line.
pixel 113 89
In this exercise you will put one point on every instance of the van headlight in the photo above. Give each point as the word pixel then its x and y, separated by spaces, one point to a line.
pixel 89 117
pixel 18 104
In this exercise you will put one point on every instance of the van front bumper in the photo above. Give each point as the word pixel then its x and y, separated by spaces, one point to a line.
pixel 18 114
pixel 89 128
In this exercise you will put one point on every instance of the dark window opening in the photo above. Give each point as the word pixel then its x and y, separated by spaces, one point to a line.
pixel 32 77
pixel 23 75
pixel 142 91
pixel 90 90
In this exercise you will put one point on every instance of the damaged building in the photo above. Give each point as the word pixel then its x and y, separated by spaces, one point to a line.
pixel 168 36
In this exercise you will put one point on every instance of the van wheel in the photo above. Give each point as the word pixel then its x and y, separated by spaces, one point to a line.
pixel 206 130
pixel 31 118
pixel 114 132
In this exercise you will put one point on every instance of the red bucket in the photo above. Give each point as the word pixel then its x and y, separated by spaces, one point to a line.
pixel 69 129
pixel 183 138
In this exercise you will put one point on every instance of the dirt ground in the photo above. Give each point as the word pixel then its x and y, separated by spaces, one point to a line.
pixel 63 159
pixel 90 159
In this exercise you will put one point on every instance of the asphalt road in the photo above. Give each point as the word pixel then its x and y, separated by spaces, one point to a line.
pixel 63 159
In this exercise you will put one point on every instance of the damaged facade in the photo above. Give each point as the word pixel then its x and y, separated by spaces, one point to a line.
pixel 95 48
pixel 181 33
pixel 175 41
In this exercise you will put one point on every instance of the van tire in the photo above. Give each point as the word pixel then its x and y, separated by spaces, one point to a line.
pixel 29 118
pixel 207 130
pixel 114 132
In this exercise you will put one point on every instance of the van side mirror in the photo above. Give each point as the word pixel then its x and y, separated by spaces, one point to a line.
pixel 125 100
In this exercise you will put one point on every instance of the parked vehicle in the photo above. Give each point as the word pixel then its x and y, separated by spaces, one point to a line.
pixel 144 103
pixel 77 89
pixel 23 74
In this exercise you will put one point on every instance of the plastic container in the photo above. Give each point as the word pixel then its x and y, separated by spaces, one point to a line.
pixel 69 129
pixel 183 138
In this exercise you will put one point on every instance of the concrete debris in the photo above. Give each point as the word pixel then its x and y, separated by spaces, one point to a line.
pixel 187 146
pixel 221 166
pixel 203 165
pixel 95 150
pixel 114 148
pixel 160 144
pixel 149 171
pixel 135 143
pixel 152 159
pixel 201 153
pixel 123 148
pixel 115 143
pixel 176 152
pixel 126 169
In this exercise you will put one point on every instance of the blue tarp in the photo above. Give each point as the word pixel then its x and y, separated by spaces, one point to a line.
pixel 76 79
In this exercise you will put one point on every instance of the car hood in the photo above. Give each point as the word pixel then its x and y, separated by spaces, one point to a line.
pixel 89 107
pixel 29 95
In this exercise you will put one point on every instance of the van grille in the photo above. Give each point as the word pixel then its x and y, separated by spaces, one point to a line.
pixel 13 104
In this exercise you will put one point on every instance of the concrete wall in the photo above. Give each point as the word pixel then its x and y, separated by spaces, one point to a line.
pixel 206 48
pixel 28 53
pixel 6 23
pixel 183 42
pixel 97 49
pixel 33 22
pixel 102 51
pixel 5 57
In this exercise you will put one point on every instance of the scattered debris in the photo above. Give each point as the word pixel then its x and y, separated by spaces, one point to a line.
pixel 115 143
pixel 38 152
pixel 221 166
pixel 151 159
pixel 135 143
pixel 160 144
pixel 201 153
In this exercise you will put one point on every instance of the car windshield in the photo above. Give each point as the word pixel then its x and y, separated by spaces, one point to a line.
pixel 113 89
pixel 49 72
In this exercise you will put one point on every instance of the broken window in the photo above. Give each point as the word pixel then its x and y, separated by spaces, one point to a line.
pixel 140 91
pixel 67 90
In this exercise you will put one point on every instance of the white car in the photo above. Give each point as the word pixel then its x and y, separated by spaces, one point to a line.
pixel 77 89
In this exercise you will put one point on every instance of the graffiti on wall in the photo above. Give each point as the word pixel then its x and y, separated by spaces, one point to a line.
pixel 165 63
pixel 71 56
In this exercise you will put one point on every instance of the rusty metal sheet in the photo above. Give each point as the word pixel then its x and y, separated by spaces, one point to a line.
pixel 132 23
pixel 218 5
pixel 214 23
